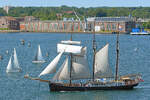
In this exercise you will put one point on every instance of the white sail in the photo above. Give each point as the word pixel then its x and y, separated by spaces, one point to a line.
pixel 69 48
pixel 63 72
pixel 71 42
pixel 83 52
pixel 102 68
pixel 9 66
pixel 80 68
pixel 16 64
pixel 39 57
pixel 51 68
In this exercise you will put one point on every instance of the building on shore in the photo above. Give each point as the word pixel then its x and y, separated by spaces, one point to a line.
pixel 30 18
pixel 6 9
pixel 52 26
pixel 111 24
pixel 102 24
pixel 9 23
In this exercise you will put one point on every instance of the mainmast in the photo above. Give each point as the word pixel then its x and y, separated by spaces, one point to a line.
pixel 94 52
pixel 70 61
pixel 117 56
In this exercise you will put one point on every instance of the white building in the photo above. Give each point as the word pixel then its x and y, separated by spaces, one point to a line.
pixel 6 8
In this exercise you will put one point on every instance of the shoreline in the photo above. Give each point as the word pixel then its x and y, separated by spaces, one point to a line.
pixel 88 32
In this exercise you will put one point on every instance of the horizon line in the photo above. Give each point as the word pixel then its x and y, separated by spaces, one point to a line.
pixel 81 7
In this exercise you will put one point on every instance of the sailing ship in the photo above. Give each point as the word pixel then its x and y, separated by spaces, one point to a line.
pixel 38 57
pixel 13 67
pixel 74 74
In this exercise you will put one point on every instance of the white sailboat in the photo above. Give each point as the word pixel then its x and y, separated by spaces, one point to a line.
pixel 38 57
pixel 13 67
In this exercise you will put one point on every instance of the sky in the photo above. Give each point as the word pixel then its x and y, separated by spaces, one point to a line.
pixel 77 3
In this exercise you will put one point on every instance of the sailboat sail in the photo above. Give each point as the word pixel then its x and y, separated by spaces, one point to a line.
pixel 36 57
pixel 39 57
pixel 83 52
pixel 63 72
pixel 51 68
pixel 102 68
pixel 9 66
pixel 16 64
pixel 13 67
pixel 80 68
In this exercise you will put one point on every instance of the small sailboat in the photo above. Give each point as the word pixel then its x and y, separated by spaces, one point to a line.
pixel 38 57
pixel 13 66
pixel 29 44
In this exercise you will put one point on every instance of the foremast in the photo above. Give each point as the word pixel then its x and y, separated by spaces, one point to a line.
pixel 70 63
pixel 94 53
pixel 117 57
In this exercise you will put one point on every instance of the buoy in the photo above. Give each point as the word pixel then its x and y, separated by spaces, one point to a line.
pixel 1 57
pixel 47 54
pixel 135 49
pixel 7 52
pixel 23 42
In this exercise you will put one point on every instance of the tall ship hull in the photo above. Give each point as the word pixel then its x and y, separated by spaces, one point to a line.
pixel 62 87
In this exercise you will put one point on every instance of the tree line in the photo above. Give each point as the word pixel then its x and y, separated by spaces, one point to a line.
pixel 58 13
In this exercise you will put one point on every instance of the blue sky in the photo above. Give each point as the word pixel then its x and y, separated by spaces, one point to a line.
pixel 77 3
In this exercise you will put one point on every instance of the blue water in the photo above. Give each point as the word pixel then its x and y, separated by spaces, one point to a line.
pixel 134 58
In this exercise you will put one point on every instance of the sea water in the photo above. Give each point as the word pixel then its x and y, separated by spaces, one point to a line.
pixel 134 57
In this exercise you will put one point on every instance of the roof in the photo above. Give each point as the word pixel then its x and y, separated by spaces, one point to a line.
pixel 8 17
pixel 111 19
pixel 68 12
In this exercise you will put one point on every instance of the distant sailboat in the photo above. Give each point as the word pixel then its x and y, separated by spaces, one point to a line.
pixel 38 57
pixel 13 67
pixel 29 44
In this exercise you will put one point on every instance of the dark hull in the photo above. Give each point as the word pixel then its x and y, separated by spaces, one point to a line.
pixel 60 87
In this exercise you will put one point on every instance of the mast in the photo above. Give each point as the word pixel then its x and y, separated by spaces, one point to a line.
pixel 117 56
pixel 70 61
pixel 94 52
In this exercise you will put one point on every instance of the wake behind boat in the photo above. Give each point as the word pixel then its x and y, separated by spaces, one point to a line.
pixel 75 75
pixel 38 57
pixel 13 67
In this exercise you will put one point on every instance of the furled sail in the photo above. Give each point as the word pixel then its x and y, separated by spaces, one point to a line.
pixel 71 42
pixel 51 68
pixel 16 64
pixel 102 68
pixel 63 72
pixel 69 48
pixel 39 57
pixel 9 66
pixel 80 68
